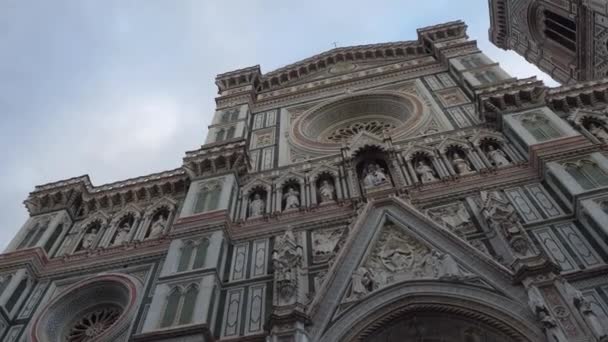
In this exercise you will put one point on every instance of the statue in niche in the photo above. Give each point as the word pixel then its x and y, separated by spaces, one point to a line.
pixel 425 172
pixel 539 307
pixel 586 310
pixel 256 206
pixel 122 234
pixel 158 227
pixel 598 131
pixel 461 166
pixel 292 199
pixel 89 238
pixel 497 156
pixel 327 191
pixel 374 175
pixel 286 261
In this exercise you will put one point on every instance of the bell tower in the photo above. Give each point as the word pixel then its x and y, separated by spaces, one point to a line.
pixel 566 39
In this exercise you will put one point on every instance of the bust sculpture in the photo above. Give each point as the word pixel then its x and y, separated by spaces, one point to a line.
pixel 497 156
pixel 425 172
pixel 256 206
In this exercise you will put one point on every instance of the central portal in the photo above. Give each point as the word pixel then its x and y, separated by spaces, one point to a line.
pixel 435 327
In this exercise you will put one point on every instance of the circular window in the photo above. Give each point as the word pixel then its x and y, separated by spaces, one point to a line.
pixel 97 309
pixel 93 323
pixel 346 132
pixel 325 127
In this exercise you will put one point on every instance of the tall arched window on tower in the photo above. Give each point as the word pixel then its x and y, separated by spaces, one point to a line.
pixel 234 114
pixel 230 133
pixel 539 126
pixel 54 236
pixel 179 308
pixel 587 174
pixel 33 235
pixel 219 135
pixel 208 198
pixel 560 29
pixel 193 255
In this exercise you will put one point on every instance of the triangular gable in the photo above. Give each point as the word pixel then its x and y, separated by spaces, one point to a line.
pixel 447 142
pixel 365 139
pixel 578 115
pixel 421 231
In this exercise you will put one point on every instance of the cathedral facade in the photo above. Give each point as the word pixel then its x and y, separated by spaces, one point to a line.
pixel 406 191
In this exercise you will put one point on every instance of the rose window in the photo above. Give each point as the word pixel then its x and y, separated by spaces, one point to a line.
pixel 326 126
pixel 101 308
pixel 93 324
pixel 346 133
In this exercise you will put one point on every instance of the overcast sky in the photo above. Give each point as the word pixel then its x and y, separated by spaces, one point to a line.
pixel 118 89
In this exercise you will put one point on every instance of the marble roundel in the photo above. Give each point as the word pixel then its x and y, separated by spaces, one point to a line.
pixel 96 309
pixel 325 127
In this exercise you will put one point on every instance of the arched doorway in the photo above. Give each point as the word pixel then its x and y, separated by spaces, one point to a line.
pixel 434 311
pixel 429 326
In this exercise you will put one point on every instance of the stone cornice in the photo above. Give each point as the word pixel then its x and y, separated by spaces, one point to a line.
pixel 499 23
pixel 238 81
pixel 217 158
pixel 333 86
pixel 73 192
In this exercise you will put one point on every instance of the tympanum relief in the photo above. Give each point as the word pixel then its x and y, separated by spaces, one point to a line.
pixel 398 257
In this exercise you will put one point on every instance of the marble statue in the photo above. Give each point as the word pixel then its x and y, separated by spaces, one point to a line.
pixel 158 227
pixel 374 176
pixel 256 206
pixel 445 267
pixel 598 131
pixel 89 238
pixel 461 166
pixel 425 172
pixel 122 234
pixel 536 302
pixel 326 191
pixel 586 310
pixel 362 283
pixel 497 156
pixel 292 199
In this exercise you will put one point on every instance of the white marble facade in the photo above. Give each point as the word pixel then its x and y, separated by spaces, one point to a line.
pixel 332 198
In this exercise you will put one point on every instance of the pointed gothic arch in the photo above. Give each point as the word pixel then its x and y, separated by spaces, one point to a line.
pixel 489 291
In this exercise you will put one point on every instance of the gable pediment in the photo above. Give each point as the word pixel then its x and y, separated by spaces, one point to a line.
pixel 391 244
